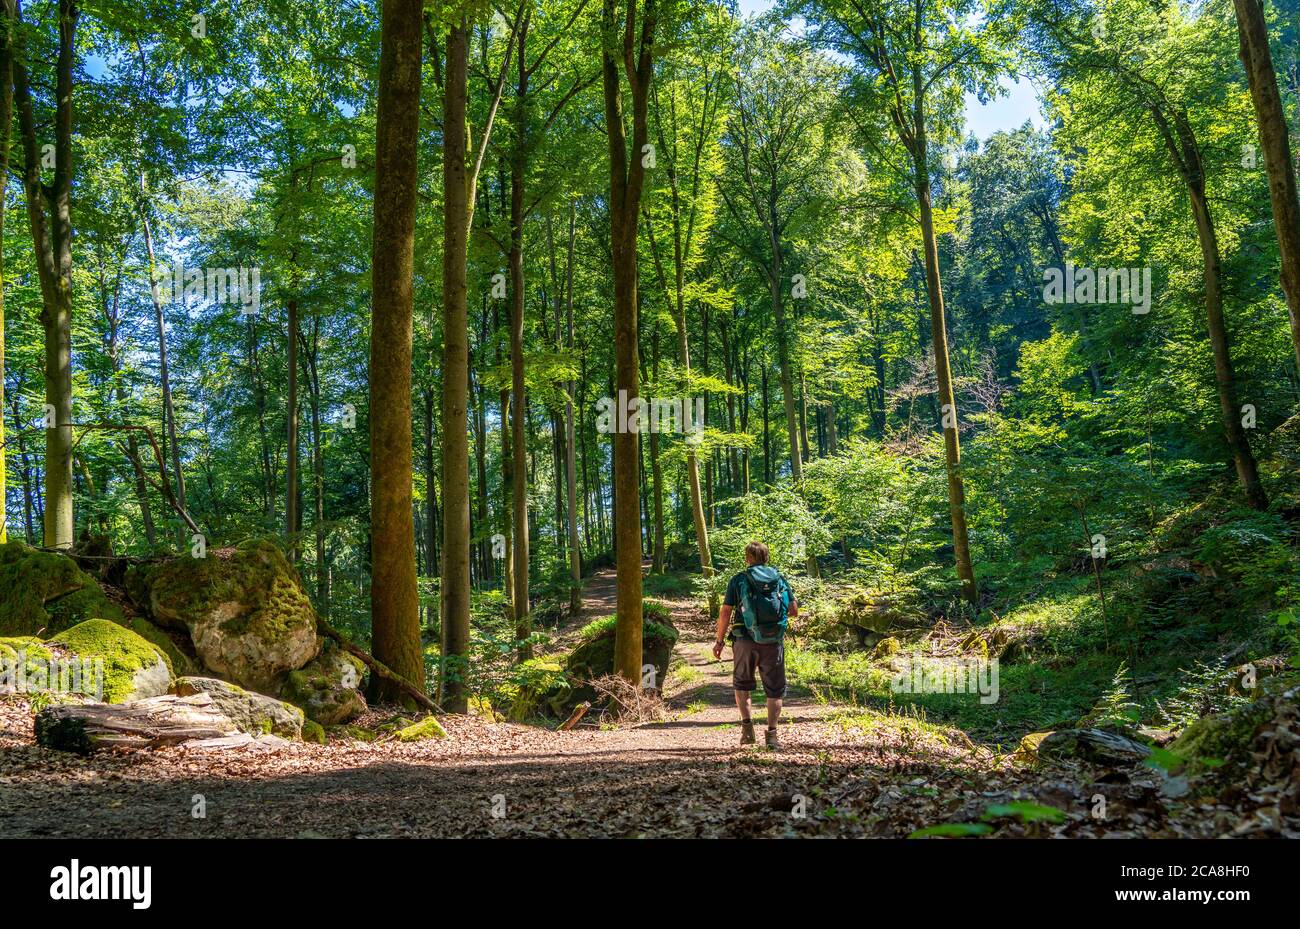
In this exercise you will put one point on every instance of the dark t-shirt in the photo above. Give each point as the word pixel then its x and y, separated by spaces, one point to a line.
pixel 732 599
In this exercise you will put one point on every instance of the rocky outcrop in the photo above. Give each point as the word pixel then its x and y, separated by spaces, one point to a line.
pixel 45 593
pixel 328 687
pixel 243 607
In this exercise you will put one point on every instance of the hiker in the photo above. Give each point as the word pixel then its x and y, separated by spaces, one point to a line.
pixel 757 637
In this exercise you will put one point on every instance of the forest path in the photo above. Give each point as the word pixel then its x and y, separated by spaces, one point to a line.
pixel 697 693
pixel 684 776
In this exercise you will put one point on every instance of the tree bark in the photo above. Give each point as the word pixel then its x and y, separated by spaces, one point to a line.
pixel 518 400
pixel 943 373
pixel 6 120
pixel 394 600
pixel 1275 144
pixel 626 180
pixel 458 200
pixel 52 242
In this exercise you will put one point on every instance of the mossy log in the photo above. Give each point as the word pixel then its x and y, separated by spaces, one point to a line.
pixel 158 721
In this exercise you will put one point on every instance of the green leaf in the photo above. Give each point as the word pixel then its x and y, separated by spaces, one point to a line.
pixel 1026 812
pixel 952 830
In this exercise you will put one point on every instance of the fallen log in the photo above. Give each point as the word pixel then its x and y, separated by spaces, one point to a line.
pixel 157 721
pixel 378 667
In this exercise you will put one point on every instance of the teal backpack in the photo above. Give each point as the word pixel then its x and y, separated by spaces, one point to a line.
pixel 764 603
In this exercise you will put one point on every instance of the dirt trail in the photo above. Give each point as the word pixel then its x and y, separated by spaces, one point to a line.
pixel 684 776
pixel 698 691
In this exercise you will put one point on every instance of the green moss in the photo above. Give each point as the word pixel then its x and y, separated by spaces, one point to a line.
pixel 179 662
pixel 29 645
pixel 46 591
pixel 652 629
pixel 313 732
pixel 359 733
pixel 255 575
pixel 1220 737
pixel 36 657
pixel 427 728
pixel 123 653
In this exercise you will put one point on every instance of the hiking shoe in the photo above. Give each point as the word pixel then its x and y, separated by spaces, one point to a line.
pixel 746 733
pixel 772 741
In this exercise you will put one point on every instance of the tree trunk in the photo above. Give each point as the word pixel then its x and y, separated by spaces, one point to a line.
pixel 943 374
pixel 6 121
pixel 570 463
pixel 1224 379
pixel 626 180
pixel 519 419
pixel 458 200
pixel 394 600
pixel 52 242
pixel 1275 143
pixel 164 377
pixel 292 519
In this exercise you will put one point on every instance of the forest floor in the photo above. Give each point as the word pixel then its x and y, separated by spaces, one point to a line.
pixel 841 771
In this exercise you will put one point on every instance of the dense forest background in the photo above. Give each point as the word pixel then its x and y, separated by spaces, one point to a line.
pixel 1116 476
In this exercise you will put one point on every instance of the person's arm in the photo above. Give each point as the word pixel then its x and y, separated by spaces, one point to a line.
pixel 794 607
pixel 720 636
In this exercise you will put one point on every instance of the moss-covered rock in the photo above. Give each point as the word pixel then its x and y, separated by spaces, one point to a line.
pixel 313 731
pixel 244 608
pixel 29 645
pixel 885 648
pixel 134 669
pixel 427 728
pixel 45 592
pixel 328 687
pixel 593 658
pixel 1222 737
pixel 164 642
pixel 254 713
pixel 356 733
pixel 539 687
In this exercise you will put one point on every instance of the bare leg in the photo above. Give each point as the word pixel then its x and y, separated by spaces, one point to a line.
pixel 773 712
pixel 742 704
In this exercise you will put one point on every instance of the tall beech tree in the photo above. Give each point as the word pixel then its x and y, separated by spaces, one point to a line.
pixel 1154 90
pixel 49 214
pixel 629 49
pixel 917 58
pixel 394 603
pixel 462 163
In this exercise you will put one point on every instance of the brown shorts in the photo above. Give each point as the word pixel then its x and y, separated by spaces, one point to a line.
pixel 768 659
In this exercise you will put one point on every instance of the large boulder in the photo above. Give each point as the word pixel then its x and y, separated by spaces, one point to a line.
pixel 538 688
pixel 254 713
pixel 45 592
pixel 133 668
pixel 593 658
pixel 244 608
pixel 870 615
pixel 328 687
